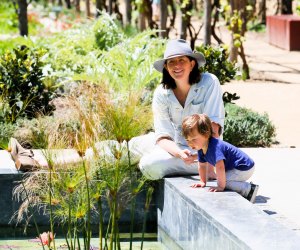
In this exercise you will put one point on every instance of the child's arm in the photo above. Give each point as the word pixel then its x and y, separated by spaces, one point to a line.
pixel 202 168
pixel 221 177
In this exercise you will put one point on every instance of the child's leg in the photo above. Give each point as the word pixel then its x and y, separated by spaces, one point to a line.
pixel 236 181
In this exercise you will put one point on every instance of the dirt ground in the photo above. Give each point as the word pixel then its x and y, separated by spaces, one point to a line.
pixel 274 87
pixel 279 100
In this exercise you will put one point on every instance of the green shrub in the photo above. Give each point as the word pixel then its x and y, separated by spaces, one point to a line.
pixel 128 65
pixel 21 84
pixel 39 132
pixel 6 132
pixel 245 128
pixel 107 32
pixel 10 43
pixel 217 63
pixel 8 18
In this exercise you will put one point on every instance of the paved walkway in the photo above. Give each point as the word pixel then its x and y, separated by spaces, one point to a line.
pixel 275 89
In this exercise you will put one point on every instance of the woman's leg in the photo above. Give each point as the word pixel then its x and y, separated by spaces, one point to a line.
pixel 236 181
pixel 159 163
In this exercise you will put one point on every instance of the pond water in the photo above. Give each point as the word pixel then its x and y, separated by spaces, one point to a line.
pixel 150 243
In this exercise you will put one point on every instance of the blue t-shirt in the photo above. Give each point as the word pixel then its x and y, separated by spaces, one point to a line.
pixel 232 156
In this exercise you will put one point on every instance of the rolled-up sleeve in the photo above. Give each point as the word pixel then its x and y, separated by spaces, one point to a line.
pixel 214 106
pixel 162 121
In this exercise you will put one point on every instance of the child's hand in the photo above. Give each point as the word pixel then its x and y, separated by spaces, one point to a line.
pixel 200 184
pixel 216 189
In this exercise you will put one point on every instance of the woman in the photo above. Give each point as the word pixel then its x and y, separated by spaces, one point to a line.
pixel 183 91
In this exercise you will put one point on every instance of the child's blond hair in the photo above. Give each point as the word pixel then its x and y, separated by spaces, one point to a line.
pixel 199 121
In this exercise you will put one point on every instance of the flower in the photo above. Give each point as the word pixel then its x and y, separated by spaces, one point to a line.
pixel 46 238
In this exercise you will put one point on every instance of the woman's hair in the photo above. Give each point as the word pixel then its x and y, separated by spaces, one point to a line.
pixel 199 121
pixel 169 83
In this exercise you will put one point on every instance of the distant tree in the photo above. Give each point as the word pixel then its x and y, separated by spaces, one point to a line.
pixel 100 6
pixel 186 7
pixel 286 7
pixel 145 15
pixel 68 4
pixel 110 7
pixel 87 8
pixel 165 6
pixel 262 9
pixel 128 11
pixel 215 9
pixel 163 18
pixel 238 27
pixel 207 22
pixel 21 10
pixel 77 5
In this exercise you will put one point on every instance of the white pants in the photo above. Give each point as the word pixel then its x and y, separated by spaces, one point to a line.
pixel 155 162
pixel 236 181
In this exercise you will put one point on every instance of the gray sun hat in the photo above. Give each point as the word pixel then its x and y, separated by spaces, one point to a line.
pixel 177 48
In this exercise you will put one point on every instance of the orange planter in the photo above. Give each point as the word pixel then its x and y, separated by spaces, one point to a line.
pixel 284 31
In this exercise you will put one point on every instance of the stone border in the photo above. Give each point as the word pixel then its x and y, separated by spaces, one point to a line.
pixel 197 219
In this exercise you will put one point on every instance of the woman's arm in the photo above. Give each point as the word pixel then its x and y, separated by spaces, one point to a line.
pixel 214 106
pixel 172 148
pixel 216 129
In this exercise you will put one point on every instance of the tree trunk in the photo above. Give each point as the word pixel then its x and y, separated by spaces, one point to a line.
pixel 172 5
pixel 87 8
pixel 207 22
pixel 262 10
pixel 60 3
pixel 110 7
pixel 145 15
pixel 149 13
pixel 142 21
pixel 22 16
pixel 216 6
pixel 286 7
pixel 163 19
pixel 77 5
pixel 185 18
pixel 233 49
pixel 182 26
pixel 240 6
pixel 68 4
pixel 117 11
pixel 100 6
pixel 128 11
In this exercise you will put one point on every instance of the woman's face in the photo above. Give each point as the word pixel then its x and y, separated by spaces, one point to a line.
pixel 180 68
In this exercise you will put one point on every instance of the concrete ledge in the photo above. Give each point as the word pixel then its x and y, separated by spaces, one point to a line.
pixel 7 165
pixel 10 177
pixel 197 219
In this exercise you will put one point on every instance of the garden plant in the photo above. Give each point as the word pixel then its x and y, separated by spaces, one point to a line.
pixel 100 79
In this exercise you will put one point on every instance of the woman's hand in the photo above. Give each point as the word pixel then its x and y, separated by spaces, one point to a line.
pixel 187 156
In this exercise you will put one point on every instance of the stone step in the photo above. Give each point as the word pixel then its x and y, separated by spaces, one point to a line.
pixel 197 219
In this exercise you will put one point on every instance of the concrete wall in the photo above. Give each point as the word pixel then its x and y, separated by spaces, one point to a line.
pixel 197 219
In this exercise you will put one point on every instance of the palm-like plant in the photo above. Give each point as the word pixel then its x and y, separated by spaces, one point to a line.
pixel 128 65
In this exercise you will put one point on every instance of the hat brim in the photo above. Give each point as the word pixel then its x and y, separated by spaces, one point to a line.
pixel 159 64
